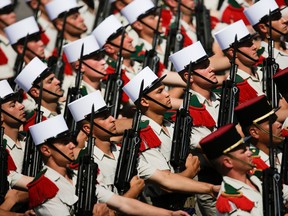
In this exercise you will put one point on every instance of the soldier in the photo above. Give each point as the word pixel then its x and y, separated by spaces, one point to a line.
pixel 259 20
pixel 93 62
pixel 157 134
pixel 7 54
pixel 240 194
pixel 203 108
pixel 17 34
pixel 31 78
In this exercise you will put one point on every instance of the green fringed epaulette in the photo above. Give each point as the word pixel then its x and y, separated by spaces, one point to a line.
pixel 239 79
pixel 218 90
pixel 29 114
pixel 143 124
pixel 111 62
pixel 231 191
pixel 4 143
pixel 169 114
pixel 234 4
pixel 39 174
pixel 260 51
pixel 22 134
pixel 255 151
pixel 195 102
pixel 139 54
pixel 83 91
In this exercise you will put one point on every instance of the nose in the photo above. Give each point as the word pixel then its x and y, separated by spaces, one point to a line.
pixel 111 118
pixel 71 145
pixel 21 106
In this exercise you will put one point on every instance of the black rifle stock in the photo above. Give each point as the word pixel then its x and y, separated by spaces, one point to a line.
pixel 269 69
pixel 182 131
pixel 4 185
pixel 74 93
pixel 59 65
pixel 229 93
pixel 175 38
pixel 102 12
pixel 113 91
pixel 127 161
pixel 152 59
pixel 203 26
pixel 32 162
pixel 86 178
pixel 272 184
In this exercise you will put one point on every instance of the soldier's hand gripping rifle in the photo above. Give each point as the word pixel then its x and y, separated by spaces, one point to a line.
pixel 32 162
pixel 152 59
pixel 229 92
pixel 86 178
pixel 175 38
pixel 73 94
pixel 182 131
pixel 4 185
pixel 269 69
pixel 272 184
pixel 113 91
pixel 203 26
pixel 58 66
pixel 127 161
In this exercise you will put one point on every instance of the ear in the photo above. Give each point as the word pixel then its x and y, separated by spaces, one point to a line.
pixel 45 150
pixel 34 4
pixel 144 102
pixel 109 48
pixel 59 24
pixel 34 92
pixel 263 28
pixel 138 26
pixel 254 132
pixel 227 162
pixel 19 48
pixel 86 128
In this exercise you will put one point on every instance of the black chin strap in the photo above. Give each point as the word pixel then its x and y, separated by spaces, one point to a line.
pixel 13 117
pixel 113 44
pixel 155 101
pixel 109 132
pixel 34 53
pixel 267 25
pixel 87 65
pixel 50 92
pixel 73 26
pixel 2 21
pixel 208 80
pixel 154 30
pixel 247 56
pixel 60 152
pixel 241 161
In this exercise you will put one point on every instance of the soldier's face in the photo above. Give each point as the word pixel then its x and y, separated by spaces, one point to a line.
pixel 160 95
pixel 75 25
pixel 52 84
pixel 97 64
pixel 66 149
pixel 108 123
pixel 127 45
pixel 16 109
pixel 250 49
pixel 35 46
pixel 152 21
pixel 241 160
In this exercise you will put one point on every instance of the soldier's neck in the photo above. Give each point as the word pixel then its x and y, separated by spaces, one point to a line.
pixel 94 82
pixel 11 132
pixel 52 107
pixel 105 147
pixel 155 117
pixel 204 92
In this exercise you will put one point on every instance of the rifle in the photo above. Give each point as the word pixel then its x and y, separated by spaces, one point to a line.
pixel 74 93
pixel 284 162
pixel 60 64
pixel 175 38
pixel 4 184
pixel 113 91
pixel 19 61
pixel 272 184
pixel 229 92
pixel 86 177
pixel 269 69
pixel 32 162
pixel 152 60
pixel 203 26
pixel 127 161
pixel 103 11
pixel 182 131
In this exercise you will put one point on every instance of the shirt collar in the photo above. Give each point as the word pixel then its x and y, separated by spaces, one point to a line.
pixel 202 99
pixel 47 113
pixel 10 143
pixel 99 154
pixel 246 76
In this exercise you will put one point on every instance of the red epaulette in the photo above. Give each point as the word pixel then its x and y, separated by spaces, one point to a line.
pixel 187 40
pixel 246 92
pixel 166 16
pixel 44 38
pixel 232 14
pixel 10 162
pixel 148 137
pixel 3 58
pixel 213 21
pixel 31 120
pixel 232 195
pixel 40 190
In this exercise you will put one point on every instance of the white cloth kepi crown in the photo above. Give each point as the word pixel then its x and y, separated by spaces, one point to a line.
pixel 260 9
pixel 30 73
pixel 82 107
pixel 56 7
pixel 5 89
pixel 183 57
pixel 105 29
pixel 4 3
pixel 21 29
pixel 72 50
pixel 136 8
pixel 226 37
pixel 132 88
pixel 48 129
